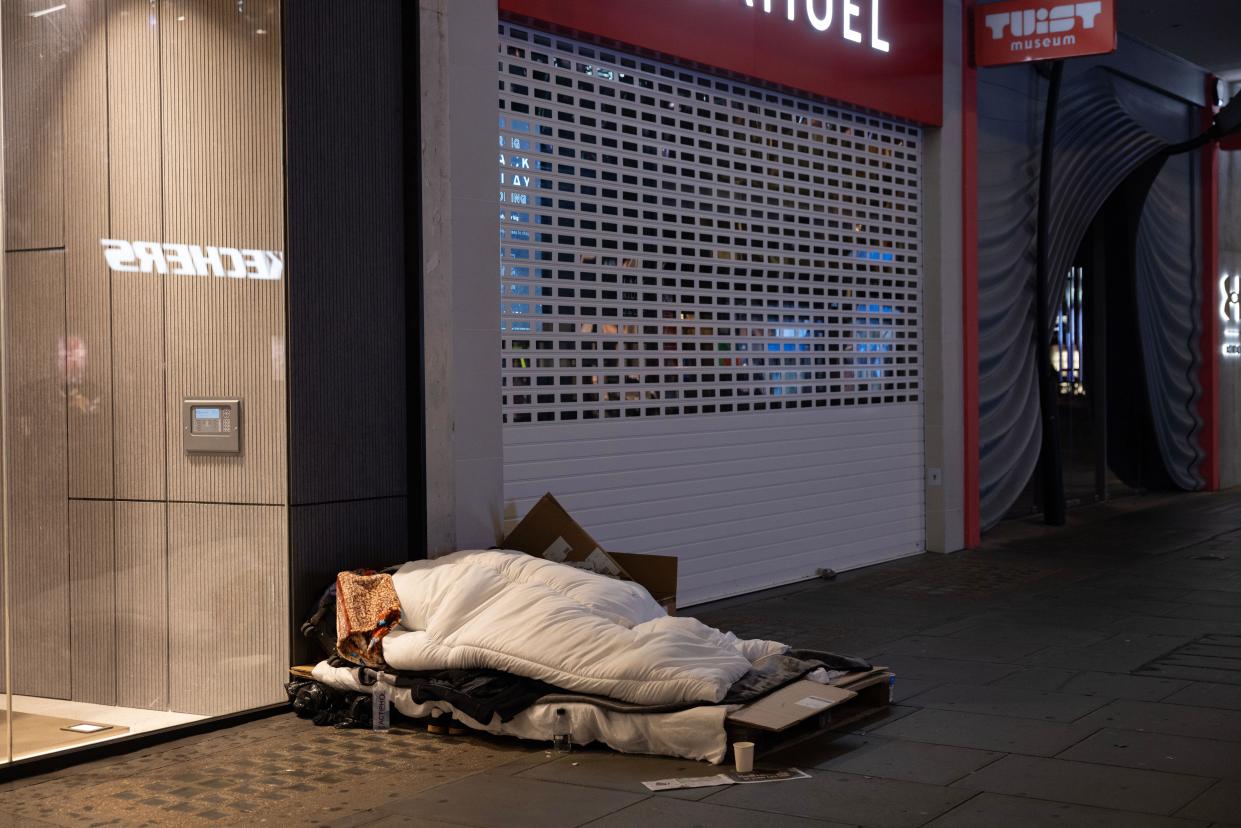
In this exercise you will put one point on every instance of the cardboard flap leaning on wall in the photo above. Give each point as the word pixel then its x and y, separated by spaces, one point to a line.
pixel 547 531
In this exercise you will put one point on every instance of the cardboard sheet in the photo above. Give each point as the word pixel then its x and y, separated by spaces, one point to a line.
pixel 547 531
pixel 790 705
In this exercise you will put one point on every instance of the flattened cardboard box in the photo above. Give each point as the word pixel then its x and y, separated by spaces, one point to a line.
pixel 789 705
pixel 548 532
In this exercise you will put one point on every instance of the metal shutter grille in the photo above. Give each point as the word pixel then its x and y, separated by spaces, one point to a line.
pixel 678 244
pixel 710 310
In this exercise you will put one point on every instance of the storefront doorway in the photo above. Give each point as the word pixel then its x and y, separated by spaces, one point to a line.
pixel 1080 397
pixel 1082 355
pixel 1107 442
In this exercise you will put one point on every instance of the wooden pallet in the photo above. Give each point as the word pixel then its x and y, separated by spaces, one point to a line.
pixel 871 698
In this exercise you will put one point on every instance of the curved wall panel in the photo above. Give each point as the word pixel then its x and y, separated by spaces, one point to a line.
pixel 1168 303
pixel 1010 110
pixel 1098 145
pixel 1107 128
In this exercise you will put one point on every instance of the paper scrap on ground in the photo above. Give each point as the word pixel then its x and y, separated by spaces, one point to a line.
pixel 730 778
pixel 767 776
pixel 689 782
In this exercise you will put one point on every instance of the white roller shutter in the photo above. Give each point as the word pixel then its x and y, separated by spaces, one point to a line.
pixel 710 302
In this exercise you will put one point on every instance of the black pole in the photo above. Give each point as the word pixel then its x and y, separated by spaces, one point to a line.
pixel 1051 466
pixel 1096 382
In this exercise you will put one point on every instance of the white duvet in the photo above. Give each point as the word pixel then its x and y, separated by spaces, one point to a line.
pixel 572 628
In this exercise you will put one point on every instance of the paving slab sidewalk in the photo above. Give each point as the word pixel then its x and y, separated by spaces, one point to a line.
pixel 1051 677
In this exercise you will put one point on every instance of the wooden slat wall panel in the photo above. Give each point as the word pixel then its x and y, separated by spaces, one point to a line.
pixel 38 509
pixel 33 128
pixel 138 388
pixel 136 214
pixel 224 185
pixel 346 249
pixel 92 602
pixel 172 132
pixel 328 538
pixel 229 585
pixel 88 346
pixel 141 605
pixel 3 654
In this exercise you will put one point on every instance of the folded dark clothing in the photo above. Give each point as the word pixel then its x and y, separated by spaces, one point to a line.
pixel 775 671
pixel 479 694
pixel 834 661
pixel 320 627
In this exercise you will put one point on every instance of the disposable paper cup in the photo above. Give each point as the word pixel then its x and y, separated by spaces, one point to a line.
pixel 743 756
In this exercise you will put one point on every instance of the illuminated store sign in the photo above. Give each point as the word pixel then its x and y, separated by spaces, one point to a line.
pixel 881 54
pixel 1230 313
pixel 821 13
pixel 192 260
pixel 1022 30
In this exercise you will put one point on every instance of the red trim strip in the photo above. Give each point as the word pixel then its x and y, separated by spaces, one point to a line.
pixel 1208 405
pixel 765 41
pixel 969 279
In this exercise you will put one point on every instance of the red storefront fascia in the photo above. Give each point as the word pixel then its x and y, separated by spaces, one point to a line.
pixel 885 55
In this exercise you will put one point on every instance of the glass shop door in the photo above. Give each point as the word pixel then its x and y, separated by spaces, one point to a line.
pixel 142 155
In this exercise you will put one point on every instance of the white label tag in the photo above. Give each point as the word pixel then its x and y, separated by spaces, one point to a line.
pixel 726 779
pixel 598 561
pixel 558 551
pixel 815 703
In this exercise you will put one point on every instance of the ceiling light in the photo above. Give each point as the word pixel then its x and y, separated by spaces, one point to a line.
pixel 48 11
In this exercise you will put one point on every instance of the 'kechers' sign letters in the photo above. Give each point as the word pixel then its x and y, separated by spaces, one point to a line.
pixel 881 54
pixel 1022 30
pixel 192 260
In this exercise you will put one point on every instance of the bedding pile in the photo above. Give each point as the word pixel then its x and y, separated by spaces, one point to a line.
pixel 502 641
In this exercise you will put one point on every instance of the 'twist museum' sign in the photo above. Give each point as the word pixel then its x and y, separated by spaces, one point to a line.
pixel 1023 30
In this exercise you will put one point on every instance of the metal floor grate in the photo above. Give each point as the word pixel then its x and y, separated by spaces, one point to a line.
pixel 1211 658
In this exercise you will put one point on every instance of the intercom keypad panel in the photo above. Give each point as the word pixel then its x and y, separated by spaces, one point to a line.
pixel 212 426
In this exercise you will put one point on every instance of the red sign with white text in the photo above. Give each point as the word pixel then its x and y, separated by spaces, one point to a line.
pixel 880 54
pixel 1017 31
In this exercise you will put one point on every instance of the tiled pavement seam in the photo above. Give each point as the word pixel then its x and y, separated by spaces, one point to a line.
pixel 616 818
pixel 1121 685
pixel 1015 689
pixel 1112 689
